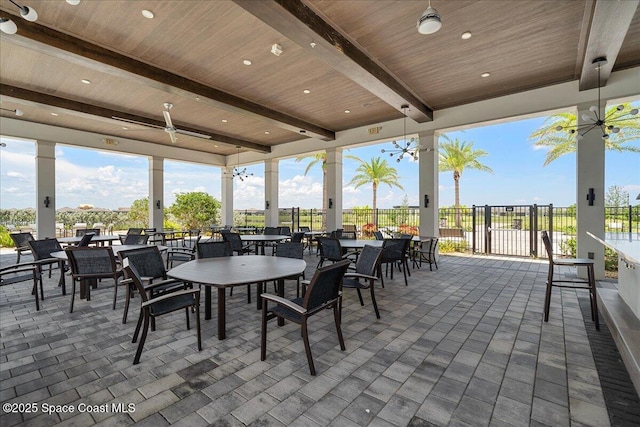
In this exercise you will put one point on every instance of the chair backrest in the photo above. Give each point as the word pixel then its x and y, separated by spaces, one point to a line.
pixel 330 248
pixel 271 231
pixel 351 235
pixel 148 261
pixel 214 249
pixel 90 262
pixel 149 230
pixel 378 235
pixel 337 234
pixel 21 240
pixel 82 231
pixel 395 249
pixel 290 250
pixel 86 239
pixel 234 239
pixel 135 239
pixel 297 236
pixel 405 236
pixel 304 229
pixel 42 248
pixel 325 286
pixel 547 245
pixel 284 230
pixel 132 273
pixel 368 260
pixel 134 231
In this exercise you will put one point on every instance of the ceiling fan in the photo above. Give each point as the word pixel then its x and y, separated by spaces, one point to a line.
pixel 169 128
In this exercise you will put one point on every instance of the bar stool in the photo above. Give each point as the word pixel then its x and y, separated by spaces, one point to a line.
pixel 590 283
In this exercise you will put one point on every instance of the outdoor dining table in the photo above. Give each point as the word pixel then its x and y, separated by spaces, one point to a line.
pixel 101 240
pixel 260 239
pixel 228 272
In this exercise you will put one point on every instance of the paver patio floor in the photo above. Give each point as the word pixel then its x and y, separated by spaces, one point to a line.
pixel 462 345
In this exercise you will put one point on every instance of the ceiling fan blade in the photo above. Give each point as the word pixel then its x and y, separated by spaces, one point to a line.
pixel 167 119
pixel 190 133
pixel 122 119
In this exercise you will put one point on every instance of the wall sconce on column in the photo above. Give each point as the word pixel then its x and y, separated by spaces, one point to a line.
pixel 330 203
pixel 47 202
pixel 426 200
pixel 591 196
pixel 157 204
pixel 266 204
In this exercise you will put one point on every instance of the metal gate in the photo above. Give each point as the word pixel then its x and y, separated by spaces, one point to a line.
pixel 507 230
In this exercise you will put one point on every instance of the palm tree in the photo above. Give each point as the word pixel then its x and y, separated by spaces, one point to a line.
pixel 455 156
pixel 318 158
pixel 376 172
pixel 561 142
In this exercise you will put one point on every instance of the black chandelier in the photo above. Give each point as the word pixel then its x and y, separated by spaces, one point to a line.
pixel 599 119
pixel 240 173
pixel 408 148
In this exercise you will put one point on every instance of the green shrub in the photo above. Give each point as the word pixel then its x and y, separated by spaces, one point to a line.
pixel 453 246
pixel 5 239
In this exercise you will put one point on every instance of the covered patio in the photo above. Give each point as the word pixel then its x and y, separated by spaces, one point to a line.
pixel 462 345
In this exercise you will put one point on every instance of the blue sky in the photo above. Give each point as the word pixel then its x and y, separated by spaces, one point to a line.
pixel 109 180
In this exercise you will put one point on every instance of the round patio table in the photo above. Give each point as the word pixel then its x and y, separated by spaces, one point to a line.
pixel 232 271
pixel 261 239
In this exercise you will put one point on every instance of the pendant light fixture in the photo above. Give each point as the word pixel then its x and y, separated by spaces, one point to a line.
pixel 240 173
pixel 430 21
pixel 406 148
pixel 7 26
pixel 599 119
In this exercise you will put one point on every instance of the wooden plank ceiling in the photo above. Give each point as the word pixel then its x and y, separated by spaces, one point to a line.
pixel 365 57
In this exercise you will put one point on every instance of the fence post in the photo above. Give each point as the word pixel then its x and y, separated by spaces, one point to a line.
pixel 551 224
pixel 533 233
pixel 487 229
pixel 630 213
pixel 473 229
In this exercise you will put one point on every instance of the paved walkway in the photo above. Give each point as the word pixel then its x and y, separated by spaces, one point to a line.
pixel 463 345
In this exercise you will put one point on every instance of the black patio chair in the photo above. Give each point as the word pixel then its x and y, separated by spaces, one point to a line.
pixel 378 235
pixel 89 264
pixel 134 239
pixel 552 281
pixel 426 252
pixel 134 231
pixel 42 250
pixel 19 273
pixel 21 242
pixel 330 250
pixel 150 265
pixel 291 250
pixel 395 252
pixel 324 291
pixel 297 236
pixel 285 230
pixel 82 231
pixel 86 239
pixel 178 254
pixel 214 249
pixel 153 306
pixel 236 243
pixel 366 270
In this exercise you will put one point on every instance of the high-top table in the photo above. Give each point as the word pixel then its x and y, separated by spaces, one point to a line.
pixel 229 272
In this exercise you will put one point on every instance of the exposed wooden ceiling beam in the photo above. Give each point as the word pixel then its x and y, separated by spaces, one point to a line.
pixel 609 25
pixel 301 24
pixel 60 45
pixel 107 114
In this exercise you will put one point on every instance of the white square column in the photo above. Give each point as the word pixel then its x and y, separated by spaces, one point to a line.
pixel 45 189
pixel 428 183
pixel 156 193
pixel 226 214
pixel 590 154
pixel 334 188
pixel 271 176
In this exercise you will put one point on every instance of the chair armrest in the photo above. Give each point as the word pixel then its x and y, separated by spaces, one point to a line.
pixel 18 268
pixel 185 251
pixel 359 275
pixel 153 285
pixel 194 292
pixel 126 281
pixel 284 301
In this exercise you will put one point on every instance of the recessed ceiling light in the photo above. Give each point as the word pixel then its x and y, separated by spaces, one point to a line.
pixel 306 91
pixel 125 128
pixel 247 62
pixel 224 120
pixel 266 132
pixel 466 35
pixel 54 114
pixel 85 81
pixel 485 75
pixel 215 145
pixel 347 111
pixel 147 14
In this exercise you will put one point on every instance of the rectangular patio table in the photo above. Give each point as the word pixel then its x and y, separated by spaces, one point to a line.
pixel 101 240
pixel 260 239
pixel 232 271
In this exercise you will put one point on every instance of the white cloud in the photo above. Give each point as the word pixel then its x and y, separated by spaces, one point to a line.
pixel 14 174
